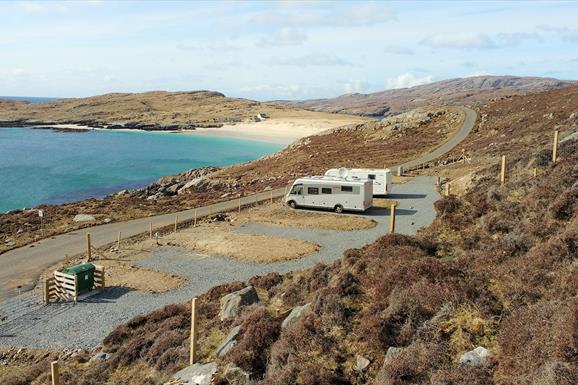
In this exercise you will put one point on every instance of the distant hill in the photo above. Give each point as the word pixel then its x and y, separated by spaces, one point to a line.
pixel 148 110
pixel 469 90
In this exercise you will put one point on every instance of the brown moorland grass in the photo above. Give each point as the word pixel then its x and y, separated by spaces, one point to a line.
pixel 485 273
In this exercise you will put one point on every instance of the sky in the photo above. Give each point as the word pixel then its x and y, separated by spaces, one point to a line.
pixel 267 50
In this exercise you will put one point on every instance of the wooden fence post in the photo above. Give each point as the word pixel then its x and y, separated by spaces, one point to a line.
pixel 103 278
pixel 54 372
pixel 392 219
pixel 535 172
pixel 75 288
pixel 503 171
pixel 447 189
pixel 193 352
pixel 88 249
pixel 195 220
pixel 239 205
pixel 176 222
pixel 46 291
pixel 555 147
pixel 118 241
pixel 150 230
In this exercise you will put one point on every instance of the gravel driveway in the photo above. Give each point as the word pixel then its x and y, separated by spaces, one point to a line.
pixel 86 323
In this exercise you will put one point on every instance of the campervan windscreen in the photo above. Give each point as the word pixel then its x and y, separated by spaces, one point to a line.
pixel 297 190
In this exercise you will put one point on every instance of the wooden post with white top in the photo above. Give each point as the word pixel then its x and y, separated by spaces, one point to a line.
pixel 193 351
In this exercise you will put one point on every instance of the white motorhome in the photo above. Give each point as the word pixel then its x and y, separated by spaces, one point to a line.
pixel 381 177
pixel 337 194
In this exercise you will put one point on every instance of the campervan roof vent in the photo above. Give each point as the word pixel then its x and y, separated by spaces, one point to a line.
pixel 343 172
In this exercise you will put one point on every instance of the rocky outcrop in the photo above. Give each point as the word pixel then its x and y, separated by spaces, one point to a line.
pixel 192 181
pixel 475 358
pixel 232 303
pixel 235 375
pixel 196 374
pixel 381 378
pixel 99 357
pixel 84 218
pixel 229 341
pixel 294 315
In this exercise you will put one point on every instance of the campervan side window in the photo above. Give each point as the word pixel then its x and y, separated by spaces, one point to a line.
pixel 347 188
pixel 297 190
pixel 371 176
pixel 325 190
pixel 313 190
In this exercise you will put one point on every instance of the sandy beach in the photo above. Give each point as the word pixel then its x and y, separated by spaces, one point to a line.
pixel 276 130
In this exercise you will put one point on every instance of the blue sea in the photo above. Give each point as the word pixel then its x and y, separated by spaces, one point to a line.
pixel 31 99
pixel 45 166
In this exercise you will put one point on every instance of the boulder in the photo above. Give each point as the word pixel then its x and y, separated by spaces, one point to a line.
pixel 228 342
pixel 295 314
pixel 235 375
pixel 172 190
pixel 232 303
pixel 382 375
pixel 99 357
pixel 196 374
pixel 476 358
pixel 83 218
pixel 361 363
pixel 391 353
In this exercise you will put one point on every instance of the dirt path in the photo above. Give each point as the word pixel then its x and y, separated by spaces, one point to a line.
pixel 21 267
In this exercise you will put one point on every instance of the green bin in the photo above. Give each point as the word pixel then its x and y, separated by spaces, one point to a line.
pixel 85 274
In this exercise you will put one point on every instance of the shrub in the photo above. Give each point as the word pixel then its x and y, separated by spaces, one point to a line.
pixel 267 281
pixel 258 332
pixel 538 337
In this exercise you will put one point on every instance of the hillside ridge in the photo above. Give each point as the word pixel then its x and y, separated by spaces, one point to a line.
pixel 468 90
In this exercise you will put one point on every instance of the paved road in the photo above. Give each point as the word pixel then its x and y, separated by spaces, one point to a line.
pixel 22 266
pixel 466 128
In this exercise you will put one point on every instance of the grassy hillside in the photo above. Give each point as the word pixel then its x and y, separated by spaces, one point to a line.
pixel 472 90
pixel 152 110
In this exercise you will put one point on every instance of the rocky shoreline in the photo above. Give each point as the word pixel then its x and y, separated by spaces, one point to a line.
pixel 91 124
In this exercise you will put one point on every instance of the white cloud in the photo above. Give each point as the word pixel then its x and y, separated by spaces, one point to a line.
pixel 315 59
pixel 470 40
pixel 358 15
pixel 515 38
pixel 398 50
pixel 365 15
pixel 278 91
pixel 566 33
pixel 407 80
pixel 459 40
pixel 284 37
pixel 354 86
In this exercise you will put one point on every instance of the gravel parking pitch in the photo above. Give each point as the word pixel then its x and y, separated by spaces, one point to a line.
pixel 86 323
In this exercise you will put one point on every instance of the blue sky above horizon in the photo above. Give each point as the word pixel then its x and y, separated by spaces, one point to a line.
pixel 276 50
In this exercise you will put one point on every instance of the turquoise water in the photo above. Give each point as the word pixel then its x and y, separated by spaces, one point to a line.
pixel 31 99
pixel 45 166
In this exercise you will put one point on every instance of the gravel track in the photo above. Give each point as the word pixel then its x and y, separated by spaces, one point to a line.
pixel 86 323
